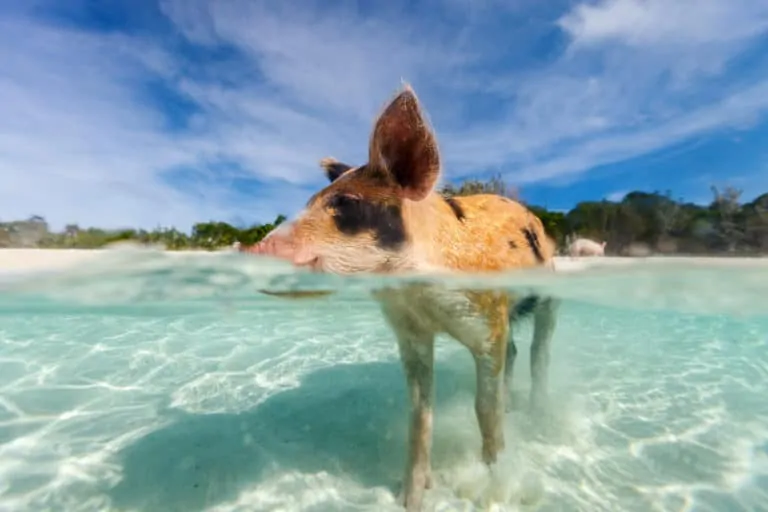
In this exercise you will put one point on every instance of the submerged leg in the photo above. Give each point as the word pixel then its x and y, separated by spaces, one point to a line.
pixel 520 309
pixel 482 325
pixel 416 348
pixel 490 356
pixel 479 320
pixel 508 369
pixel 417 355
pixel 489 403
pixel 545 319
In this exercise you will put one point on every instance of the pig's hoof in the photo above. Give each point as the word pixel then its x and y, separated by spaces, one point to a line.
pixel 412 493
pixel 412 500
pixel 490 453
pixel 413 504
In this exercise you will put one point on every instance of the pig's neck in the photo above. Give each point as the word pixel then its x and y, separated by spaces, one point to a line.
pixel 438 240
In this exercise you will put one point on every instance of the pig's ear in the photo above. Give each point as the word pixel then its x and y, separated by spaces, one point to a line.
pixel 333 168
pixel 403 144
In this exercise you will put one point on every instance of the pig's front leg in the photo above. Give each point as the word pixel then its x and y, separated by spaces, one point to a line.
pixel 480 322
pixel 417 356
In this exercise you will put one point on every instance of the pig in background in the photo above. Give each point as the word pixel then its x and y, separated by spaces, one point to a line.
pixel 586 247
pixel 385 217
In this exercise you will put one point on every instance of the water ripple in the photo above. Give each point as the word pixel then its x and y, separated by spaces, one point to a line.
pixel 159 402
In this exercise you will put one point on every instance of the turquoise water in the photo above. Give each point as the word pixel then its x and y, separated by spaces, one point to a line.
pixel 152 382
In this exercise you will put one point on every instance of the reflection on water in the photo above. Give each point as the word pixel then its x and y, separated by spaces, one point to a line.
pixel 157 383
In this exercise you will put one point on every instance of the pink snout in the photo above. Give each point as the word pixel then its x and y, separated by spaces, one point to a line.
pixel 281 244
pixel 277 246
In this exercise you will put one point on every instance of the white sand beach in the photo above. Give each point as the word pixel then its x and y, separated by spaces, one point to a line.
pixel 32 260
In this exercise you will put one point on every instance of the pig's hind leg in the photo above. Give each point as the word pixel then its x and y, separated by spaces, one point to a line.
pixel 508 369
pixel 518 311
pixel 544 322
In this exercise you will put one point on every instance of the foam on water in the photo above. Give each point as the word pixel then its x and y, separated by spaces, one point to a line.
pixel 154 382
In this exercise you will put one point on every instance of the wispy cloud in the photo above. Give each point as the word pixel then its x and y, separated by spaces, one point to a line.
pixel 75 142
pixel 634 77
pixel 616 196
pixel 222 108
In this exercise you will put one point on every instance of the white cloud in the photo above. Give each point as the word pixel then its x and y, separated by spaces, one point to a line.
pixel 80 140
pixel 636 77
pixel 329 60
pixel 684 23
pixel 616 196
pixel 72 143
pixel 739 109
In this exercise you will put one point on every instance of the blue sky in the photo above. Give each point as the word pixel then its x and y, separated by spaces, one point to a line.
pixel 168 112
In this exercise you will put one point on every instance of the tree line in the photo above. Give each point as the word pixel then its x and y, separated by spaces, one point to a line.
pixel 641 223
pixel 34 232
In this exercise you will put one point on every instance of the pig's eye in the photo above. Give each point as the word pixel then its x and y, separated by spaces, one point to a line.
pixel 353 215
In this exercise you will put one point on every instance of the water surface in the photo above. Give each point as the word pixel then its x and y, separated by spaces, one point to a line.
pixel 153 382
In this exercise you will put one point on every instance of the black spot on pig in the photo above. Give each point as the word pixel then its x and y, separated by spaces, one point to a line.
pixel 458 211
pixel 533 243
pixel 353 215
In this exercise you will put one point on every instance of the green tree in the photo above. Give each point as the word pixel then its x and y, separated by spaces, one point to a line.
pixel 495 185
pixel 653 219
pixel 728 218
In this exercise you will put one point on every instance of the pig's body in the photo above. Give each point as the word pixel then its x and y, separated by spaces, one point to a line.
pixel 480 233
pixel 586 247
pixel 385 217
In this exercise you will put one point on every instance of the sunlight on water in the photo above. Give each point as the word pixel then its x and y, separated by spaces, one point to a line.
pixel 162 382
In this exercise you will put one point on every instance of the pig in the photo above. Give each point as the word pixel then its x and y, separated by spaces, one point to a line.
pixel 385 217
pixel 586 247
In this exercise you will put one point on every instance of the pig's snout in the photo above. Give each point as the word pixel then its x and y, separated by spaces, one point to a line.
pixel 281 244
pixel 277 245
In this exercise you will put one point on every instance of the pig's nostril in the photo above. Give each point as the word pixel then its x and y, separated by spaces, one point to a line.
pixel 312 264
pixel 258 248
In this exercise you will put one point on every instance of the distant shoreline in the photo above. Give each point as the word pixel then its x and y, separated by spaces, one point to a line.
pixel 34 259
pixel 14 260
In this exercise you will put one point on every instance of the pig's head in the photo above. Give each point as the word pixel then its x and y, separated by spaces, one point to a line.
pixel 357 223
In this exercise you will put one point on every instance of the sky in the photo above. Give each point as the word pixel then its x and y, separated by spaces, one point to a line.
pixel 149 113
